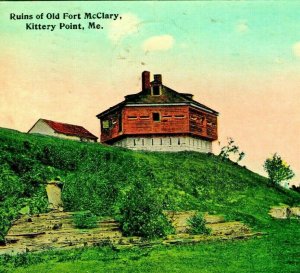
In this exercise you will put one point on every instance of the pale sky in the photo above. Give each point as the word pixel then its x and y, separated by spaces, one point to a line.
pixel 239 58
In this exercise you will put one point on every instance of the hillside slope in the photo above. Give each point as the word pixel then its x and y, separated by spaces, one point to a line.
pixel 98 178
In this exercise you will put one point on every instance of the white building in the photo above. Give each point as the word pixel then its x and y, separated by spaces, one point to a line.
pixel 62 130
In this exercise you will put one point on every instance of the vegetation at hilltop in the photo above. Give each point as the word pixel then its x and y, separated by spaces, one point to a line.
pixel 100 179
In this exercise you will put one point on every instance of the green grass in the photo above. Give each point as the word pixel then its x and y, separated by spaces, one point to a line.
pixel 98 178
pixel 277 252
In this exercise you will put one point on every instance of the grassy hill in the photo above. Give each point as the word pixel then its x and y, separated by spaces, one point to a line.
pixel 99 178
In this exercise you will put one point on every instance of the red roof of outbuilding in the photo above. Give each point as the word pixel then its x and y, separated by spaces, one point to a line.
pixel 69 129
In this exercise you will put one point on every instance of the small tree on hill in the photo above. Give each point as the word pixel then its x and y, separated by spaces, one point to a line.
pixel 231 149
pixel 277 169
pixel 142 212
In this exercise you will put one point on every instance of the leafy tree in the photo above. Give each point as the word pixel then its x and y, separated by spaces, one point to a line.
pixel 277 169
pixel 231 149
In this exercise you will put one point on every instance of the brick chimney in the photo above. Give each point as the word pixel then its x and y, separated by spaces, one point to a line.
pixel 158 78
pixel 146 81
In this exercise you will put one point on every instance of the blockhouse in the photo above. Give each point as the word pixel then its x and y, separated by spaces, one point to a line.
pixel 159 118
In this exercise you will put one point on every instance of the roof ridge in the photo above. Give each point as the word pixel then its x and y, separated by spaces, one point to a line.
pixel 62 122
pixel 69 129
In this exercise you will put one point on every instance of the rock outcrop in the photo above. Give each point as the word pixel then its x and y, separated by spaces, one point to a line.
pixel 56 230
pixel 284 212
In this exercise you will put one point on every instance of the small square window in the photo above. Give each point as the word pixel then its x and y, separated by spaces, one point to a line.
pixel 156 116
pixel 156 90
pixel 105 124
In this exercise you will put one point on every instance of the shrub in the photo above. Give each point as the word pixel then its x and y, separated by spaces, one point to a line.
pixel 277 169
pixel 230 150
pixel 85 219
pixel 197 225
pixel 142 213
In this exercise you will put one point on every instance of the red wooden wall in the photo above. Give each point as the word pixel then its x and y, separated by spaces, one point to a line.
pixel 113 130
pixel 203 124
pixel 138 120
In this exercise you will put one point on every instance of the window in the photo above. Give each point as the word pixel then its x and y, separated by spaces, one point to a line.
pixel 105 124
pixel 132 117
pixel 156 116
pixel 156 90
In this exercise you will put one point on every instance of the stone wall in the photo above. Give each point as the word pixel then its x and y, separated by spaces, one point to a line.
pixel 166 144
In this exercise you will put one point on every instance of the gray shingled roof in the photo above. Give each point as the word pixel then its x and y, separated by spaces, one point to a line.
pixel 168 96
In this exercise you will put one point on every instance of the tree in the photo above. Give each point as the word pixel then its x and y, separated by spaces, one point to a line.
pixel 231 149
pixel 277 169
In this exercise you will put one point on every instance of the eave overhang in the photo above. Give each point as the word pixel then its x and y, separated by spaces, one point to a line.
pixel 123 104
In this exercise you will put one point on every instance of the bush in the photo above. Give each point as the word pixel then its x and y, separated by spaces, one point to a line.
pixel 85 219
pixel 197 225
pixel 142 213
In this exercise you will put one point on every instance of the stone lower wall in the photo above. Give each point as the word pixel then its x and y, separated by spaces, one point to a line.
pixel 166 144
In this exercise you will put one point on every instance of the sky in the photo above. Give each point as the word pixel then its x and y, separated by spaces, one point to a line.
pixel 239 58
